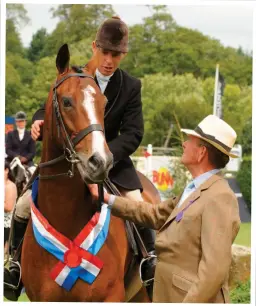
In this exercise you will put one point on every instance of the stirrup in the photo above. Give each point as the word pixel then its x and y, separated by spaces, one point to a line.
pixel 146 282
pixel 11 286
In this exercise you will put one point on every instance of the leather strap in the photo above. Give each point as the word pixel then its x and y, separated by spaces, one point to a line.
pixel 85 132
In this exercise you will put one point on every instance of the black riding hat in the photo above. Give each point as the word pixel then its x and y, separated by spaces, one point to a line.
pixel 20 116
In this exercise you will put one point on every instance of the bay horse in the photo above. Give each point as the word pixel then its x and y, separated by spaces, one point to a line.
pixel 75 110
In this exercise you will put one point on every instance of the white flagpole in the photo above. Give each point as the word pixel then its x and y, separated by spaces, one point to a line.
pixel 216 90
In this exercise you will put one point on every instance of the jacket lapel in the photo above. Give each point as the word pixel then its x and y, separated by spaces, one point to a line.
pixel 193 197
pixel 112 88
pixel 26 134
pixel 16 135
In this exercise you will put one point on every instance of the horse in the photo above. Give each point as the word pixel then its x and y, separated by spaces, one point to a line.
pixel 21 173
pixel 75 115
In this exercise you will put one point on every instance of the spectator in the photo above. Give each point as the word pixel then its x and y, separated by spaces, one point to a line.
pixel 19 142
pixel 10 196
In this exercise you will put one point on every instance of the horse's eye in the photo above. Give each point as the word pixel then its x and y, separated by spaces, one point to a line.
pixel 67 102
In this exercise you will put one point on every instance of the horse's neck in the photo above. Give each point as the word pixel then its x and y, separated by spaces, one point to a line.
pixel 65 202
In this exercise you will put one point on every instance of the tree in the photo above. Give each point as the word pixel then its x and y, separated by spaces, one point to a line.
pixel 39 39
pixel 13 88
pixel 17 14
pixel 77 22
pixel 246 137
pixel 164 96
pixel 13 41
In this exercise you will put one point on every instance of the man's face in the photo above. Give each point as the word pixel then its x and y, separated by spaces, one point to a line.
pixel 21 124
pixel 192 151
pixel 107 61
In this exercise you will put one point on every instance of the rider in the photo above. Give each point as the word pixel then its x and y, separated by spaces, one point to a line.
pixel 124 125
pixel 19 142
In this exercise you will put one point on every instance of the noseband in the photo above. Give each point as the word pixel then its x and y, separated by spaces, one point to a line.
pixel 69 142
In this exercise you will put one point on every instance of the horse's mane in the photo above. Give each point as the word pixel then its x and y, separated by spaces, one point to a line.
pixel 78 69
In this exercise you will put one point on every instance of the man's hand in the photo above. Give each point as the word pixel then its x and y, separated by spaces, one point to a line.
pixel 95 195
pixel 35 129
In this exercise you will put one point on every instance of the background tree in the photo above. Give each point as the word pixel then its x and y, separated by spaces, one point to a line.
pixel 176 65
pixel 77 22
pixel 35 50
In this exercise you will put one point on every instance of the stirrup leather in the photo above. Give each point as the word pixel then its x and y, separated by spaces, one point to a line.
pixel 146 282
pixel 10 285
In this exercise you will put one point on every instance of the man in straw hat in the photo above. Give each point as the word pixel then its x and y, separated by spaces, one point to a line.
pixel 197 228
pixel 124 130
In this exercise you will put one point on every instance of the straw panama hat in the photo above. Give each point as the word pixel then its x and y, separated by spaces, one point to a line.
pixel 217 132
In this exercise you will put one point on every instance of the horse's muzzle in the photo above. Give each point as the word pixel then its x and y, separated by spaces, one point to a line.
pixel 95 169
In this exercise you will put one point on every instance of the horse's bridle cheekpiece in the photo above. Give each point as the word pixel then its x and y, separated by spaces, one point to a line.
pixel 69 150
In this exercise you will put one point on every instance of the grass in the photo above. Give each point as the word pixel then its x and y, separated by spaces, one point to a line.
pixel 22 298
pixel 244 235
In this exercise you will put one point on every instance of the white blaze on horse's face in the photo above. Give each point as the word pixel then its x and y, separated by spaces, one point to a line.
pixel 98 140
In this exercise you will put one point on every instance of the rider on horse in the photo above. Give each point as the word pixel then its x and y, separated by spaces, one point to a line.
pixel 19 142
pixel 123 129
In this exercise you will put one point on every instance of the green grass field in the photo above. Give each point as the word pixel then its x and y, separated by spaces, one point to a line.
pixel 244 235
pixel 243 238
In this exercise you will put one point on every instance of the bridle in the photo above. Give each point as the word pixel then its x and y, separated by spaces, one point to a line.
pixel 70 142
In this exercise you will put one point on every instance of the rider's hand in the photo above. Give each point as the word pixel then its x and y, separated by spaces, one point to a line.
pixel 23 159
pixel 35 129
pixel 93 188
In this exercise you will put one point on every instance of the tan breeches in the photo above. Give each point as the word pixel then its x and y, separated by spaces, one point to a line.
pixel 22 210
pixel 132 194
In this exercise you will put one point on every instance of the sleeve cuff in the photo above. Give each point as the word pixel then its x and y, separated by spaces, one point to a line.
pixel 111 200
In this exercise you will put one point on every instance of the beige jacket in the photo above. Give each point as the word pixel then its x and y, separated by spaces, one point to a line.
pixel 194 254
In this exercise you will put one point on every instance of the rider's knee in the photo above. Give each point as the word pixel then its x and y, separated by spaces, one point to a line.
pixel 23 206
pixel 134 195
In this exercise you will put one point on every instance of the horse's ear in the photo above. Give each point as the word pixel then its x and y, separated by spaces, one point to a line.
pixel 62 59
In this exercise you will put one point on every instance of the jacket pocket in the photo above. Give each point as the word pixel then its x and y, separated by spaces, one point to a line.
pixel 181 283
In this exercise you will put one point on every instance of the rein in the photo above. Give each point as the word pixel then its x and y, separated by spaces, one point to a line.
pixel 69 150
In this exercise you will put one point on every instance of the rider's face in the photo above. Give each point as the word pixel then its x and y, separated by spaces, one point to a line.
pixel 21 124
pixel 107 61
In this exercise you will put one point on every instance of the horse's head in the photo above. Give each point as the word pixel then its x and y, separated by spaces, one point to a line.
pixel 18 171
pixel 79 108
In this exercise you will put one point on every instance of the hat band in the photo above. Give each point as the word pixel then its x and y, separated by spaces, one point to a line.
pixel 212 138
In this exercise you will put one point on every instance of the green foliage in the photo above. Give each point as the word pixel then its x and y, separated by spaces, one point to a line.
pixel 77 22
pixel 241 294
pixel 237 106
pixel 246 137
pixel 176 64
pixel 244 179
pixel 35 50
pixel 244 235
pixel 17 14
pixel 13 87
pixel 13 41
pixel 158 44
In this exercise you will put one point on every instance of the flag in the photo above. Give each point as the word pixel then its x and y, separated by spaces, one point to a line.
pixel 218 93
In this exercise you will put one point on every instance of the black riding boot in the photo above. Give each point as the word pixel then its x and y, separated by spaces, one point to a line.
pixel 148 265
pixel 12 277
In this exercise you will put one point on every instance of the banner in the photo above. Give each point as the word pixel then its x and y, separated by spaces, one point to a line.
pixel 218 93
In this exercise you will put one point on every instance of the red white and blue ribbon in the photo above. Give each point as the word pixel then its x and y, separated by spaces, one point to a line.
pixel 76 258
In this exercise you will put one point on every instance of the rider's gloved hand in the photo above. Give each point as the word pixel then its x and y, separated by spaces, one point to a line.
pixel 35 129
